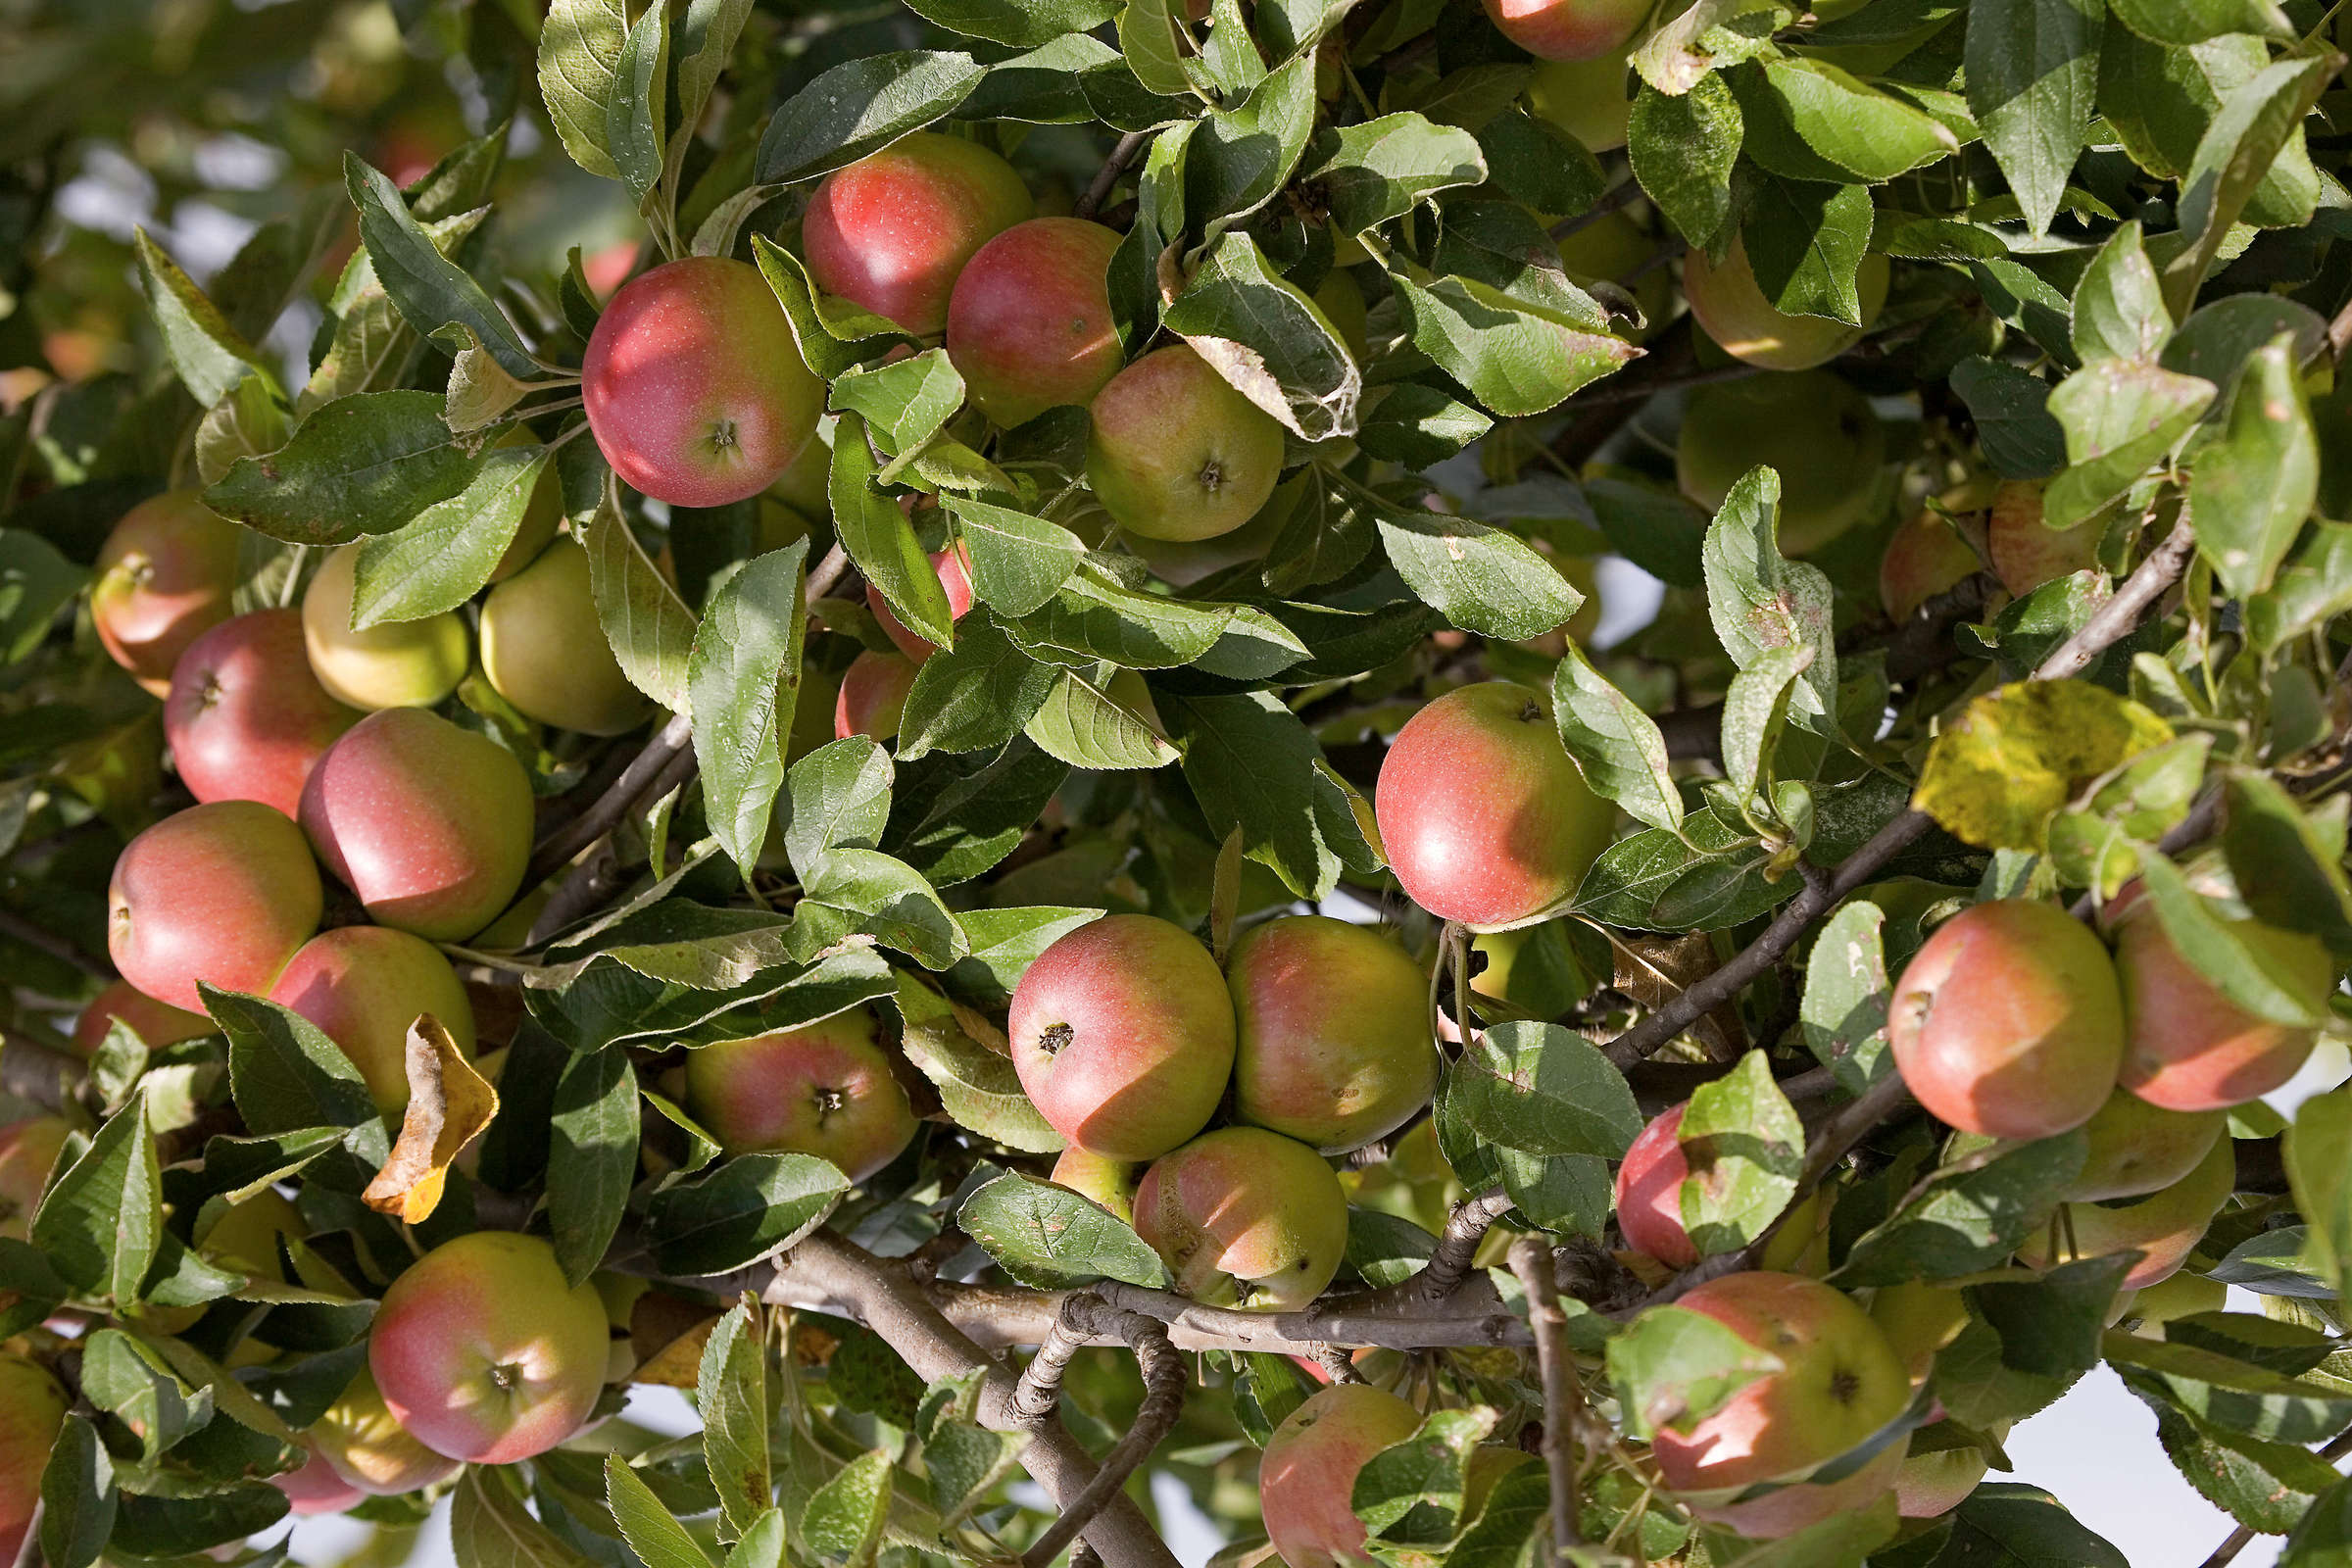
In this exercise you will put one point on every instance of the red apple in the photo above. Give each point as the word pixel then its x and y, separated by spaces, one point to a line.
pixel 694 385
pixel 825 1090
pixel 315 1488
pixel 1925 556
pixel 2007 1022
pixel 1176 452
pixel 156 1023
pixel 1123 1036
pixel 364 986
pixel 2027 553
pixel 873 696
pixel 247 719
pixel 1485 819
pixel 1029 325
pixel 1730 306
pixel 1649 1191
pixel 164 577
pixel 1332 1043
pixel 954 567
pixel 428 824
pixel 1245 1217
pixel 1567 30
pixel 222 893
pixel 32 1413
pixel 1307 1476
pixel 28 1150
pixel 892 232
pixel 2187 1046
pixel 483 1352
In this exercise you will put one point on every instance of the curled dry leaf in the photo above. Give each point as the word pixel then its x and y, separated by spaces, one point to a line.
pixel 450 1105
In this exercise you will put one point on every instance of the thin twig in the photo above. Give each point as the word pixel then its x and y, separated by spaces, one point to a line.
pixel 1121 155
pixel 1622 194
pixel 17 928
pixel 1530 1261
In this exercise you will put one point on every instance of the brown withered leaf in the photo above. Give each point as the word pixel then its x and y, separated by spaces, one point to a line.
pixel 450 1105
pixel 667 1333
pixel 1655 969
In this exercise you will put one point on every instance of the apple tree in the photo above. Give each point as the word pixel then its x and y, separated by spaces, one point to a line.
pixel 1480 782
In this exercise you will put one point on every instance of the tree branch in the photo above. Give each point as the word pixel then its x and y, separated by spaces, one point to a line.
pixel 1530 1261
pixel 1164 1383
pixel 1122 154
pixel 1465 1228
pixel 17 928
pixel 35 1071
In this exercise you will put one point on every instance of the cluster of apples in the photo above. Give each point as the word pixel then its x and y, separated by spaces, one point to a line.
pixel 1129 1040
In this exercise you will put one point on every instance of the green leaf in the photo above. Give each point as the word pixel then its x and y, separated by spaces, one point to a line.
pixel 703 38
pixel 1745 1147
pixel 1083 725
pixel 1683 148
pixel 2253 975
pixel 2118 418
pixel 636 112
pixel 2251 490
pixel 1843 1012
pixel 1483 579
pixel 2323 1536
pixel 1755 710
pixel 207 354
pixel 2231 1395
pixel 2119 311
pixel 1049 1237
pixel 882 542
pixel 1684 53
pixel 1541 1088
pixel 2314 585
pixel 1516 358
pixel 1025 24
pixel 1269 339
pixel 1970 1220
pixel 2267 1485
pixel 2032 75
pixel 79 1496
pixel 1805 240
pixel 836 797
pixel 1709 877
pixel 1414 1492
pixel 751 1207
pixel 2010 407
pixel 1148 32
pixel 843 1520
pixel 976 1085
pixel 973 696
pixel 35 583
pixel 650 629
pixel 1382 168
pixel 1535 162
pixel 1673 1367
pixel 860 106
pixel 743 678
pixel 2288 868
pixel 732 1385
pixel 101 1223
pixel 1252 764
pixel 591 1158
pixel 580 46
pixel 890 899
pixel 360 465
pixel 286 1074
pixel 129 1382
pixel 432 292
pixel 1758 600
pixel 657 1538
pixel 833 338
pixel 1812 120
pixel 1018 562
pixel 443 556
pixel 1615 745
pixel 2237 152
pixel 908 399
pixel 1240 157
pixel 490 1528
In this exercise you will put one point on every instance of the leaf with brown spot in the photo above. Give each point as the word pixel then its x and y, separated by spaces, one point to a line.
pixel 450 1105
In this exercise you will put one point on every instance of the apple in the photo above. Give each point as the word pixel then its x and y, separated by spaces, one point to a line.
pixel 1308 1475
pixel 484 1353
pixel 1245 1217
pixel 1649 1191
pixel 1029 323
pixel 222 893
pixel 872 695
pixel 245 1237
pixel 1107 1182
pixel 2028 553
pixel 428 824
pixel 1839 1382
pixel 364 986
pixel 316 1488
pixel 545 650
pixel 1341 299
pixel 1932 1484
pixel 2183 1295
pixel 2008 1022
pixel 247 718
pixel 1176 452
pixel 1924 558
pixel 1919 1320
pixel 399 664
pixel 1331 1039
pixel 695 388
pixel 2138 1148
pixel 164 577
pixel 156 1023
pixel 1585 98
pixel 825 1089
pixel 1568 29
pixel 892 232
pixel 1815 431
pixel 1728 302
pixel 2187 1046
pixel 28 1150
pixel 1613 248
pixel 542 514
pixel 32 1413
pixel 368 1448
pixel 1485 819
pixel 2165 1227
pixel 954 568
pixel 1122 1033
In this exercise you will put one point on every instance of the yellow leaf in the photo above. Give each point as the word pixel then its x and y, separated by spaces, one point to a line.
pixel 2017 755
pixel 450 1104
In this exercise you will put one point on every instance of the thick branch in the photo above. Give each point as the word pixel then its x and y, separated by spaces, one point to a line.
pixel 1164 1383
pixel 1530 1261
pixel 1465 1228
